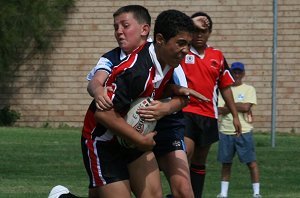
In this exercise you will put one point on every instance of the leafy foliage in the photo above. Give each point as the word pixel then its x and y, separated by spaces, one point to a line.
pixel 26 28
pixel 8 117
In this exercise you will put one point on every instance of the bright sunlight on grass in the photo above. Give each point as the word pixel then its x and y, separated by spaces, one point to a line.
pixel 33 160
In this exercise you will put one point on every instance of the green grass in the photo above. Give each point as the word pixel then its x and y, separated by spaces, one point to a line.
pixel 33 160
pixel 279 169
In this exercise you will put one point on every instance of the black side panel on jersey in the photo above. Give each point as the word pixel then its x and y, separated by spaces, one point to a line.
pixel 131 83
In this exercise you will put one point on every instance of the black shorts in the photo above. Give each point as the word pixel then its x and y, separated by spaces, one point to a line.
pixel 170 134
pixel 173 143
pixel 202 129
pixel 106 162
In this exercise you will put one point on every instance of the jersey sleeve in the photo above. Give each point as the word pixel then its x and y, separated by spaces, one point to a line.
pixel 179 77
pixel 226 78
pixel 107 62
pixel 103 64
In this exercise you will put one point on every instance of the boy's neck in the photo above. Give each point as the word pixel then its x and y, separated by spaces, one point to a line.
pixel 159 58
pixel 201 50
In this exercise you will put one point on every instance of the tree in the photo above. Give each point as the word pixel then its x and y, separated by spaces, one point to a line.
pixel 26 28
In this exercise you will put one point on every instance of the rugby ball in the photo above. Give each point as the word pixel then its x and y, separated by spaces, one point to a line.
pixel 134 120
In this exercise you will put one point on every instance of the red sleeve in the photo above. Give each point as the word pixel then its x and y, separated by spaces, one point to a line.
pixel 225 77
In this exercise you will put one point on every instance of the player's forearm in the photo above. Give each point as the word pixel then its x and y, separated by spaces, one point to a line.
pixel 175 90
pixel 184 91
pixel 243 107
pixel 177 103
pixel 229 101
pixel 92 86
pixel 240 107
pixel 116 123
pixel 169 91
pixel 97 82
pixel 223 110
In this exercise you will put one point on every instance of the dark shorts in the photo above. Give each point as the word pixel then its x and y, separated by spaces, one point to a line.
pixel 170 134
pixel 164 146
pixel 106 162
pixel 202 130
pixel 242 145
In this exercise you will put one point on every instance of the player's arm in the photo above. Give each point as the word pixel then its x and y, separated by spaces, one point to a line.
pixel 128 86
pixel 243 107
pixel 178 86
pixel 98 79
pixel 240 107
pixel 229 101
pixel 177 90
pixel 97 90
pixel 116 123
pixel 159 109
pixel 179 100
pixel 223 110
pixel 180 97
pixel 249 101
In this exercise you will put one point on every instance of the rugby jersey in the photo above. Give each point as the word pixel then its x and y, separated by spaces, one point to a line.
pixel 138 75
pixel 107 62
pixel 206 74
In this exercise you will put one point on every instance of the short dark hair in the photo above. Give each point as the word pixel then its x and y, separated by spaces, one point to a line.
pixel 170 22
pixel 139 12
pixel 207 16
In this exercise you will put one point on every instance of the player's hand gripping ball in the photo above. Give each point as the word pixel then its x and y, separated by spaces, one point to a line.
pixel 138 123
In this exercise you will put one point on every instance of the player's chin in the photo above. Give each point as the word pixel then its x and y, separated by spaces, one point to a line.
pixel 123 44
pixel 199 43
pixel 175 64
pixel 177 61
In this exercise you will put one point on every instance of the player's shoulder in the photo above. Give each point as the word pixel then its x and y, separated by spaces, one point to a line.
pixel 213 50
pixel 141 52
pixel 144 49
pixel 137 63
pixel 142 57
pixel 113 55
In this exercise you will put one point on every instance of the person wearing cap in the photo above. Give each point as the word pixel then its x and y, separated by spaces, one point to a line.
pixel 243 145
pixel 206 71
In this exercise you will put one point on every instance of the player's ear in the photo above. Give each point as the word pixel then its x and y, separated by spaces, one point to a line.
pixel 159 39
pixel 145 30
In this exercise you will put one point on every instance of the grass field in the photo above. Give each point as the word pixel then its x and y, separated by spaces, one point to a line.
pixel 33 160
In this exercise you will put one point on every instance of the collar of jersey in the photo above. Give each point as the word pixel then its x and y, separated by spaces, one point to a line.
pixel 159 73
pixel 194 51
pixel 122 55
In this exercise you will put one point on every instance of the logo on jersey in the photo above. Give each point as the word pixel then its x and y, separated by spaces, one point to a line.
pixel 214 63
pixel 189 59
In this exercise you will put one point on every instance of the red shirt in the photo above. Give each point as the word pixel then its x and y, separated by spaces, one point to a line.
pixel 206 74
